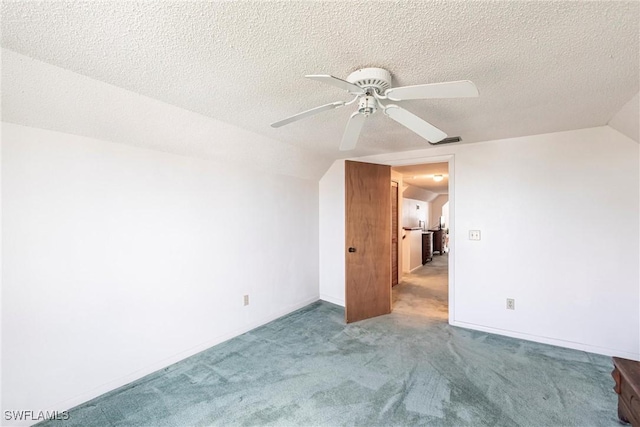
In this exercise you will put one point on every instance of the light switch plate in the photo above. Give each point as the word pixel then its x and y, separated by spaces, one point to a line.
pixel 474 234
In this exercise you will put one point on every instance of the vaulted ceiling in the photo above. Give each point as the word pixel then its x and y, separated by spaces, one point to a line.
pixel 539 66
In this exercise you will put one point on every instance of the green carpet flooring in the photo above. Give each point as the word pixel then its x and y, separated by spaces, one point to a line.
pixel 407 368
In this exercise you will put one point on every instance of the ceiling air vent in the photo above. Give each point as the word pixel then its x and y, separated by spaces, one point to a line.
pixel 449 140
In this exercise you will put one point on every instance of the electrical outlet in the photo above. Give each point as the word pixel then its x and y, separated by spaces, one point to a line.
pixel 474 234
pixel 511 304
pixel 246 300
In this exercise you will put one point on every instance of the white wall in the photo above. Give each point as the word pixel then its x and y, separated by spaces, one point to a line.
pixel 626 119
pixel 414 211
pixel 332 237
pixel 414 239
pixel 575 285
pixel 119 261
pixel 1 285
pixel 436 209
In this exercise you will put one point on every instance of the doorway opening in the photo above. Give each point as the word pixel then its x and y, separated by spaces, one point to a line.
pixel 423 228
pixel 368 239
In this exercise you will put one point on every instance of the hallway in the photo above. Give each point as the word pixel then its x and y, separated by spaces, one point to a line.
pixel 425 292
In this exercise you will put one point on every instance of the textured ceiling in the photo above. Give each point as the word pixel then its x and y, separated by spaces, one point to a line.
pixel 539 66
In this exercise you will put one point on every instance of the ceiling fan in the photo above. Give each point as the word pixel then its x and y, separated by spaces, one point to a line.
pixel 371 87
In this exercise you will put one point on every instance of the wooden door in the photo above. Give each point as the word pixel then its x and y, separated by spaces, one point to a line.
pixel 368 246
pixel 394 233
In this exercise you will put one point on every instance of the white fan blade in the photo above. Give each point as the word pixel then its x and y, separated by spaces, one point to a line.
pixel 461 89
pixel 415 123
pixel 352 132
pixel 342 84
pixel 307 113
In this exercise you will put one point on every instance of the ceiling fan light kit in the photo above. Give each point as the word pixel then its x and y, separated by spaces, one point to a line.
pixel 371 87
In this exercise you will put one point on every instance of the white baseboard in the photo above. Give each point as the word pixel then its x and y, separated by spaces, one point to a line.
pixel 332 300
pixel 161 364
pixel 552 341
pixel 415 268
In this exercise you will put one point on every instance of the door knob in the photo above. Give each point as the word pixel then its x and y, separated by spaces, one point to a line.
pixel 352 249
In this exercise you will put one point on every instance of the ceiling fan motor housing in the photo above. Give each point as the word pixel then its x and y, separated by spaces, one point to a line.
pixel 367 105
pixel 378 79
